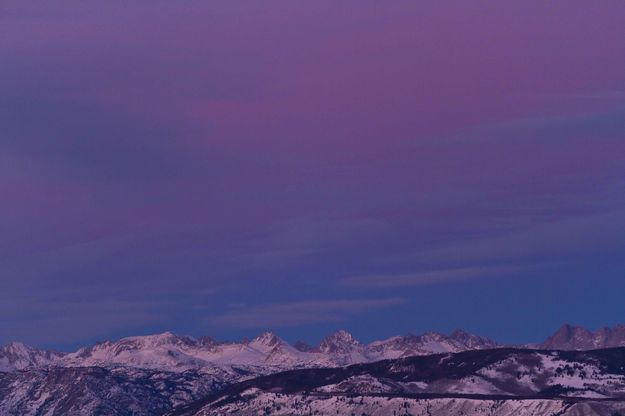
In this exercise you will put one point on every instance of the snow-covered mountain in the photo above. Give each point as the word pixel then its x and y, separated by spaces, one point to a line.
pixel 428 343
pixel 18 356
pixel 147 375
pixel 578 338
pixel 500 382
pixel 88 391
pixel 276 404
pixel 265 354
pixel 343 349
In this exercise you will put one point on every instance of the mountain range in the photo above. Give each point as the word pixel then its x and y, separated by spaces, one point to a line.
pixel 150 375
pixel 579 338
pixel 265 353
pixel 171 352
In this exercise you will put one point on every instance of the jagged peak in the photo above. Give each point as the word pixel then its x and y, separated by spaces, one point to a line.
pixel 342 336
pixel 460 333
pixel 207 341
pixel 391 340
pixel 20 348
pixel 338 342
pixel 569 337
pixel 17 355
pixel 472 341
pixel 155 340
pixel 569 328
pixel 434 336
pixel 565 328
pixel 17 346
pixel 268 339
pixel 570 331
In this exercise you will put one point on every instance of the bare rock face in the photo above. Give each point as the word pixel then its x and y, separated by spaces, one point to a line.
pixel 341 342
pixel 18 356
pixel 59 391
pixel 267 340
pixel 470 341
pixel 578 338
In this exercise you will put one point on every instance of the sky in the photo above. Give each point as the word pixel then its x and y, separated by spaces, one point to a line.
pixel 227 167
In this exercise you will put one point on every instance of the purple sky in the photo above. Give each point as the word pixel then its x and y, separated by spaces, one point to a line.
pixel 227 167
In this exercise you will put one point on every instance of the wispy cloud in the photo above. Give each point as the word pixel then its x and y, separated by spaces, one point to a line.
pixel 569 237
pixel 300 313
pixel 430 277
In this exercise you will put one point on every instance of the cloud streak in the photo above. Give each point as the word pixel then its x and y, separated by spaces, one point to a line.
pixel 559 239
pixel 431 277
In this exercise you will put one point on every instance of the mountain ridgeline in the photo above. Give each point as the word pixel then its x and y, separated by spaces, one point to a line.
pixel 264 353
pixel 155 374
pixel 501 382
